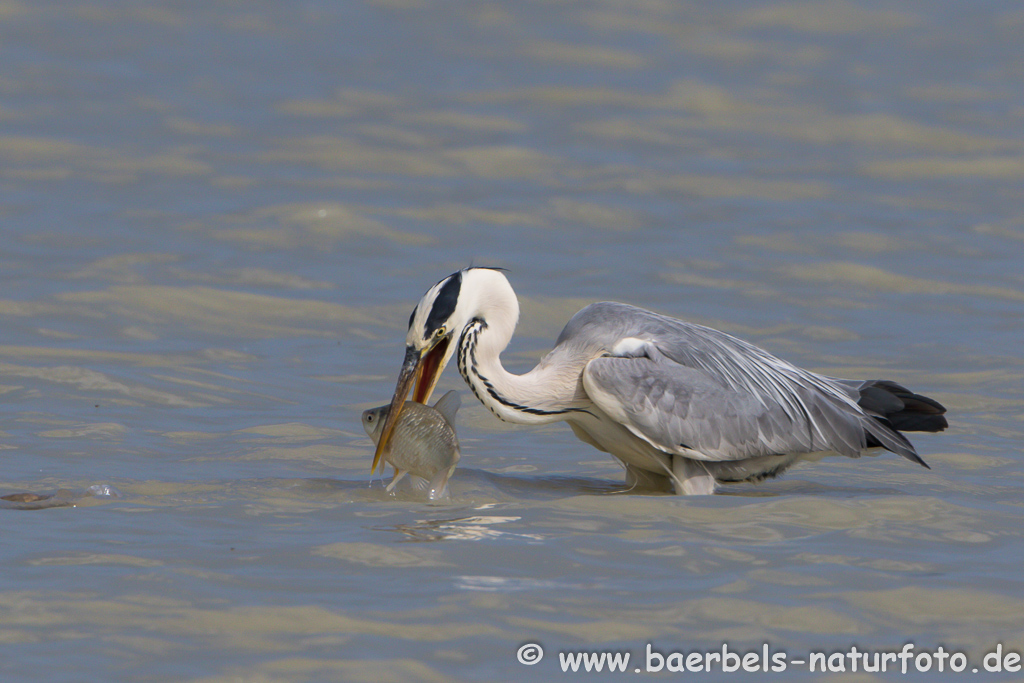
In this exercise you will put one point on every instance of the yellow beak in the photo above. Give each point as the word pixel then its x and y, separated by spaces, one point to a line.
pixel 422 369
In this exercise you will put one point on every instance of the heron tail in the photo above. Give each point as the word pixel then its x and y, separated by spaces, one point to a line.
pixel 894 409
pixel 904 410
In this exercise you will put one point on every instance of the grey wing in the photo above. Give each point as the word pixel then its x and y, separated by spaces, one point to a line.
pixel 685 410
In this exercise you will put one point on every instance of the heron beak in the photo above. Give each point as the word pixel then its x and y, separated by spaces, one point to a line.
pixel 422 369
pixel 433 362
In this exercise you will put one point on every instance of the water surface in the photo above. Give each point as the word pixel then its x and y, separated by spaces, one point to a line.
pixel 217 217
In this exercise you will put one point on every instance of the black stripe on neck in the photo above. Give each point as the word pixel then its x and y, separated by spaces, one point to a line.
pixel 468 366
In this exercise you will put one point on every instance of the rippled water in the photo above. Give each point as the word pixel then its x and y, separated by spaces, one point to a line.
pixel 216 218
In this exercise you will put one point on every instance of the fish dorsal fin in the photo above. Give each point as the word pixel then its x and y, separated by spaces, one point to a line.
pixel 448 405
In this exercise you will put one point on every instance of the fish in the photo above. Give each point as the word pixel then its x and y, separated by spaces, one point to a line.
pixel 424 444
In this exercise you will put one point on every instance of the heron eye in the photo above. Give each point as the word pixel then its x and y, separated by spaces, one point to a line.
pixel 440 332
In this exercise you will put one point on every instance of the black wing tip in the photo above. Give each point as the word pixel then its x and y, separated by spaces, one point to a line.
pixel 889 438
pixel 910 422
pixel 911 455
pixel 914 457
pixel 909 412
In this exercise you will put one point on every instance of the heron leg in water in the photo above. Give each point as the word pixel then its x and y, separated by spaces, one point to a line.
pixel 645 480
pixel 691 477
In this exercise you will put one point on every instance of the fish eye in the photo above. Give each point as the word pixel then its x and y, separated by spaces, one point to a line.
pixel 369 418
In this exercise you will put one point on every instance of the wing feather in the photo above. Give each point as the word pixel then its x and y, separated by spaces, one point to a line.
pixel 685 410
pixel 699 392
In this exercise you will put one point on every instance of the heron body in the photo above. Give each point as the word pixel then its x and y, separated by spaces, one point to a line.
pixel 682 406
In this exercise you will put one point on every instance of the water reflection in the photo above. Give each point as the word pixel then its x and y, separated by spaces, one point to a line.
pixel 504 584
pixel 474 528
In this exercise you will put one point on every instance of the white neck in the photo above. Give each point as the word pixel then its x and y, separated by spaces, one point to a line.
pixel 548 393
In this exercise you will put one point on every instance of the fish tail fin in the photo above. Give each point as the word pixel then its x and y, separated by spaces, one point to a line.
pixel 439 484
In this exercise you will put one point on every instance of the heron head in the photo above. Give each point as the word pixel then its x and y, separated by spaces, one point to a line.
pixel 435 326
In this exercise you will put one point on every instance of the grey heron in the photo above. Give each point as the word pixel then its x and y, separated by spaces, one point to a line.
pixel 680 405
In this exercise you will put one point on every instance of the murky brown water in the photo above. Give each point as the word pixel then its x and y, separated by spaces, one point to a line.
pixel 217 217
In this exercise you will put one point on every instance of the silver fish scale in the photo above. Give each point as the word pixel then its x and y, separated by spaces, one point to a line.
pixel 423 442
